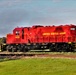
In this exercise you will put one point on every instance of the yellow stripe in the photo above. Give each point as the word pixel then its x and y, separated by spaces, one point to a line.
pixel 69 42
pixel 4 44
pixel 46 33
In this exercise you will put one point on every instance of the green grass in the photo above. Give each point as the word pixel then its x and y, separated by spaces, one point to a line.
pixel 38 66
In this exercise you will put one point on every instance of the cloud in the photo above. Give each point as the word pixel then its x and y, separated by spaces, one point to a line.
pixel 56 1
pixel 11 18
pixel 9 3
pixel 15 13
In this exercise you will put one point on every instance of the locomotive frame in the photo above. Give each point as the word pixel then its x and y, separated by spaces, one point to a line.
pixel 55 38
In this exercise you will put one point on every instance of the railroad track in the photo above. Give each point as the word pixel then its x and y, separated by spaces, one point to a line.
pixel 17 55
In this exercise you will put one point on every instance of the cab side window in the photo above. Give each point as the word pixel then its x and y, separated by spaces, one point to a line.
pixel 17 32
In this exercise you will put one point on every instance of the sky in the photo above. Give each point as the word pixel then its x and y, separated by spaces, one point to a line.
pixel 23 13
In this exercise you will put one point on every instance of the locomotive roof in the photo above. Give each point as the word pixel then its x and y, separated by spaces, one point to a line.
pixel 35 26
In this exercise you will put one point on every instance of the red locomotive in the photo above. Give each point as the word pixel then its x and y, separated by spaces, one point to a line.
pixel 54 38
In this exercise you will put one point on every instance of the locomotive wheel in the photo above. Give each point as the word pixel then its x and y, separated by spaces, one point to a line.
pixel 61 47
pixel 52 48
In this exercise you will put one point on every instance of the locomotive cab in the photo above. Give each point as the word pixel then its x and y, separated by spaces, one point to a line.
pixel 17 32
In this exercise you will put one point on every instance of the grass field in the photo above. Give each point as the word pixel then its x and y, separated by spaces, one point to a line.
pixel 38 66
